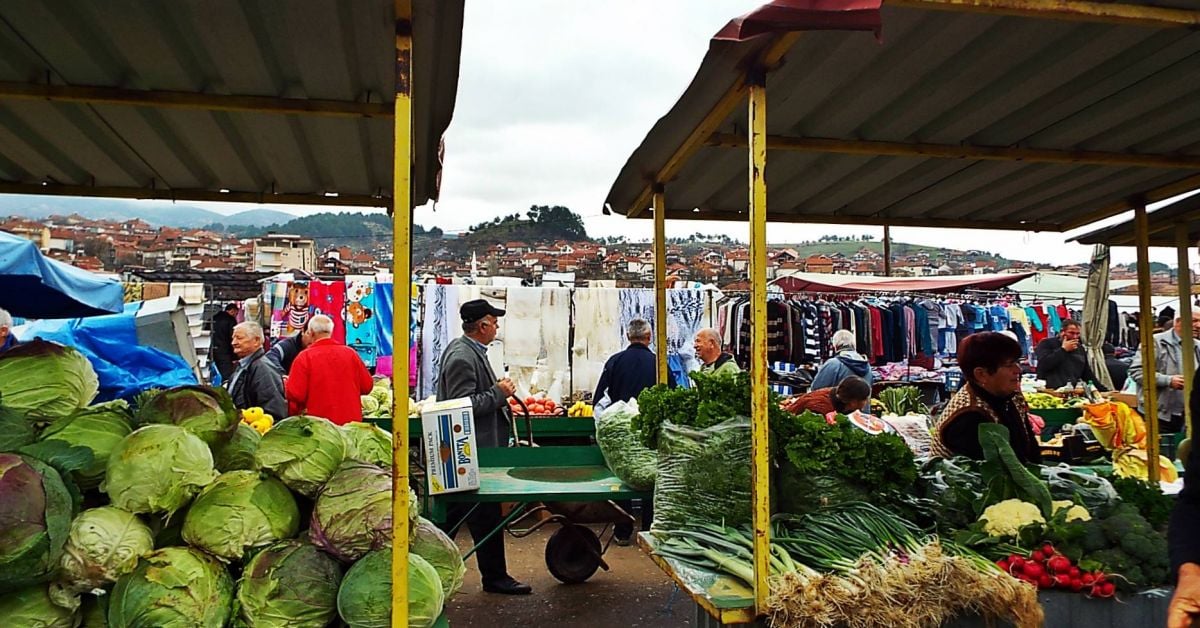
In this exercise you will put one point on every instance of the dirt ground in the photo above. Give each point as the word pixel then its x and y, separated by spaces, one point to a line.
pixel 634 592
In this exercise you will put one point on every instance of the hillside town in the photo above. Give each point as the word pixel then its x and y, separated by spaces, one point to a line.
pixel 136 246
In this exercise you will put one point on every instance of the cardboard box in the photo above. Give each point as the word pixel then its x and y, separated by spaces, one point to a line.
pixel 451 456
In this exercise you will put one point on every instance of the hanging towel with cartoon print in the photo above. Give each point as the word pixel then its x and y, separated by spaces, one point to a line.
pixel 360 316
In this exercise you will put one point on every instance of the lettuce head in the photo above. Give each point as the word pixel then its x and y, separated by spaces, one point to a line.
pixel 46 381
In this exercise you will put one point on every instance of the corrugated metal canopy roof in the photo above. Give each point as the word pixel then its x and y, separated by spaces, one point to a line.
pixel 1162 224
pixel 1038 123
pixel 226 83
pixel 823 282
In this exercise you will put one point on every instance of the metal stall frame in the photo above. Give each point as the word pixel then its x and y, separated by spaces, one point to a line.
pixel 212 103
pixel 754 48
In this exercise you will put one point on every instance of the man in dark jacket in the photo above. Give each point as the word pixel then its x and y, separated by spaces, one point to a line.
pixel 221 345
pixel 1118 369
pixel 1184 543
pixel 284 352
pixel 466 373
pixel 625 375
pixel 255 382
pixel 1062 359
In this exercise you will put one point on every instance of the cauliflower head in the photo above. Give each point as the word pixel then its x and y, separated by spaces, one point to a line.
pixel 1075 512
pixel 1006 518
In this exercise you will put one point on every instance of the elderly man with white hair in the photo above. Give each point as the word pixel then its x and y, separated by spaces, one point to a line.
pixel 846 362
pixel 7 339
pixel 327 379
pixel 255 383
pixel 712 359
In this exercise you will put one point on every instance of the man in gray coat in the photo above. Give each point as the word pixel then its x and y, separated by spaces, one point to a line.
pixel 1168 376
pixel 466 374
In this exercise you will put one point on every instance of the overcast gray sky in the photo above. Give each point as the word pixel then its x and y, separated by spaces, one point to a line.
pixel 554 95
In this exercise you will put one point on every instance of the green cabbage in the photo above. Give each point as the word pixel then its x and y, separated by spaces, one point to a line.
pixel 430 543
pixel 367 443
pixel 95 611
pixel 303 451
pixel 158 469
pixel 365 599
pixel 103 545
pixel 35 516
pixel 32 608
pixel 46 381
pixel 353 513
pixel 15 430
pixel 370 405
pixel 174 587
pixel 240 511
pixel 99 428
pixel 237 454
pixel 205 411
pixel 289 585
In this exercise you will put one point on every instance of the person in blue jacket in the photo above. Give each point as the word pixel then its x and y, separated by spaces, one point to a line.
pixel 846 363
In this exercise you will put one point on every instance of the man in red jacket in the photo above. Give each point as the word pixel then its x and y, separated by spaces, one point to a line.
pixel 327 379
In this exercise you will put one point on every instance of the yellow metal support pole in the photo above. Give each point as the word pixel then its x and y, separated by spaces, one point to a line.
pixel 660 281
pixel 1185 312
pixel 1141 227
pixel 760 472
pixel 401 312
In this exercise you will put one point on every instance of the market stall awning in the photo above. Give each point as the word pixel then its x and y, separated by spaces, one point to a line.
pixel 1006 114
pixel 1163 223
pixel 35 286
pixel 223 100
pixel 819 282
pixel 1060 285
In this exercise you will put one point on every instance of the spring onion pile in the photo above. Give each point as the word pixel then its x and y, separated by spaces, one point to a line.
pixel 856 565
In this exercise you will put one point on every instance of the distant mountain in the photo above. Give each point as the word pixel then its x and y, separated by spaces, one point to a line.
pixel 158 213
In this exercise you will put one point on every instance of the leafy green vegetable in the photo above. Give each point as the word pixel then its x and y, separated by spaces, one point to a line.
pixel 1119 541
pixel 104 544
pixel 628 459
pixel 32 607
pixel 15 430
pixel 205 411
pixel 237 454
pixel 430 543
pixel 364 600
pixel 174 587
pixel 241 511
pixel 158 469
pixel 902 400
pixel 874 463
pixel 714 399
pixel 956 486
pixel 1147 498
pixel 353 513
pixel 303 451
pixel 1092 491
pixel 99 428
pixel 703 475
pixel 35 517
pixel 1004 475
pixel 46 381
pixel 291 584
pixel 368 443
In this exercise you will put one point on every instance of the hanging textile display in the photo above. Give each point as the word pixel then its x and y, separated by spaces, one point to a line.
pixel 688 311
pixel 598 334
pixel 359 314
pixel 329 298
pixel 442 324
pixel 288 304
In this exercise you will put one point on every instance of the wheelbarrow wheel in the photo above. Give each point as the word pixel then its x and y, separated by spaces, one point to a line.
pixel 573 554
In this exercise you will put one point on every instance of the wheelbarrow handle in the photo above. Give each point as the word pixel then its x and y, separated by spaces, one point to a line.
pixel 528 424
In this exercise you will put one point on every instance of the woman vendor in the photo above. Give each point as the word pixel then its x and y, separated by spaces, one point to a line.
pixel 990 364
pixel 849 396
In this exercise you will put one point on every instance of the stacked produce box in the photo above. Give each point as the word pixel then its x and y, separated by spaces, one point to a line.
pixel 174 510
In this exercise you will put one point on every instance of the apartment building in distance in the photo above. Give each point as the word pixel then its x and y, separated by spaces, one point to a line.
pixel 281 252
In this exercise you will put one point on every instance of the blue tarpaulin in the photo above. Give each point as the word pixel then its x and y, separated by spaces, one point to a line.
pixel 110 342
pixel 35 286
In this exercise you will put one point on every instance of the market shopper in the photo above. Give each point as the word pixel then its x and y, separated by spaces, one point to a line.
pixel 1118 369
pixel 254 383
pixel 7 339
pixel 625 375
pixel 1168 376
pixel 850 395
pixel 1063 360
pixel 327 379
pixel 847 362
pixel 990 362
pixel 1184 543
pixel 221 343
pixel 283 353
pixel 466 373
pixel 708 350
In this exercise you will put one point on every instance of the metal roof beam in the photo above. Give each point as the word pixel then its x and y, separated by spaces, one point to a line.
pixel 825 219
pixel 191 100
pixel 1070 10
pixel 961 151
pixel 1163 193
pixel 695 140
pixel 167 194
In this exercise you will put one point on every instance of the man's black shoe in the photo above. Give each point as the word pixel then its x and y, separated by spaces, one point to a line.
pixel 508 586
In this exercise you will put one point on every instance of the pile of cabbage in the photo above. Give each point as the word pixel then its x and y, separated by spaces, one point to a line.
pixel 174 513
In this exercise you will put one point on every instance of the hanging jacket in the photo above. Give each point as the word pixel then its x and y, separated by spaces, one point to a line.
pixel 839 367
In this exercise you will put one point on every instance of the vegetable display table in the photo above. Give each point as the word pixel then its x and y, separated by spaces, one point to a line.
pixel 548 429
pixel 1057 417
pixel 720 600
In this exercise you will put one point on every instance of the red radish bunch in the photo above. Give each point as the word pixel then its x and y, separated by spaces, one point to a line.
pixel 1045 568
